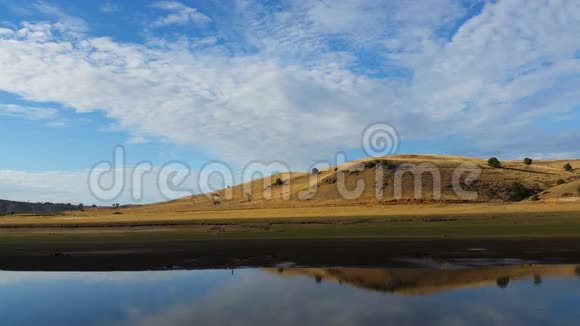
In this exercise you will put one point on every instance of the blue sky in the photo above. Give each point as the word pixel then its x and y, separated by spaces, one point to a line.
pixel 292 80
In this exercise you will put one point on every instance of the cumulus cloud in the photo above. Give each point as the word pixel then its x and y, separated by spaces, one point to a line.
pixel 32 113
pixel 179 14
pixel 297 83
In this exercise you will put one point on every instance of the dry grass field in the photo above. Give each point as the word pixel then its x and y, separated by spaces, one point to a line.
pixel 305 195
pixel 203 223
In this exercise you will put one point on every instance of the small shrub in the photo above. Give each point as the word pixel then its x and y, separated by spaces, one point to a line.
pixel 535 197
pixel 560 182
pixel 248 196
pixel 578 190
pixel 568 167
pixel 519 192
pixel 370 165
pixel 528 161
pixel 494 162
pixel 279 182
pixel 315 171
pixel 503 282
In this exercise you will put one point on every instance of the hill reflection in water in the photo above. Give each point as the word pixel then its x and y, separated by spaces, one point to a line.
pixel 427 281
pixel 508 295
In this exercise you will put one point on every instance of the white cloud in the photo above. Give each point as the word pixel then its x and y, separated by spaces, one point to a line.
pixel 138 140
pixel 5 32
pixel 297 96
pixel 73 186
pixel 64 22
pixel 180 14
pixel 32 113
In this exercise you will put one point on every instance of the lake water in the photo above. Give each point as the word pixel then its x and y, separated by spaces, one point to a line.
pixel 508 295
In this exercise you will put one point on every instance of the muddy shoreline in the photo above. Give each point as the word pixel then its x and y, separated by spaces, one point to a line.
pixel 345 252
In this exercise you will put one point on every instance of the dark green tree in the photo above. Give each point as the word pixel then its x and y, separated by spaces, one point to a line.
pixel 528 161
pixel 494 162
pixel 519 192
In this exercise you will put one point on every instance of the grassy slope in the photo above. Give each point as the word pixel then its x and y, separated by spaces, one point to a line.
pixel 493 185
pixel 537 219
pixel 193 219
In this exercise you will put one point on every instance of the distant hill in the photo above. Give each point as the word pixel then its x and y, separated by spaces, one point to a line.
pixel 8 207
pixel 492 185
pixel 544 181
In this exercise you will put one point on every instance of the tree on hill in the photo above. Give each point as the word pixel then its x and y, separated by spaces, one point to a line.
pixel 519 192
pixel 494 162
pixel 568 167
pixel 279 182
pixel 315 171
pixel 528 161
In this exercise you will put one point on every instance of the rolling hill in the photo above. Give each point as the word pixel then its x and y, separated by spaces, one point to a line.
pixel 302 189
pixel 8 207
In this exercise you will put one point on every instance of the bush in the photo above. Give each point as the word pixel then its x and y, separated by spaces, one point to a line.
pixel 578 190
pixel 519 192
pixel 279 182
pixel 568 167
pixel 315 171
pixel 560 182
pixel 494 162
pixel 370 165
pixel 528 161
pixel 503 282
pixel 535 197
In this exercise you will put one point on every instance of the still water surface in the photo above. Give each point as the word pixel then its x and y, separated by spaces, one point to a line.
pixel 516 295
